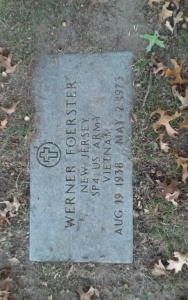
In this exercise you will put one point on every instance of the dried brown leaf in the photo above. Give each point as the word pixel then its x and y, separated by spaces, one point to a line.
pixel 185 172
pixel 11 207
pixel 87 296
pixel 3 124
pixel 6 63
pixel 184 123
pixel 178 264
pixel 178 18
pixel 158 67
pixel 176 2
pixel 164 146
pixel 159 269
pixel 175 72
pixel 2 220
pixel 169 26
pixel 164 120
pixel 150 2
pixel 170 191
pixel 184 100
pixel 12 109
pixel 164 13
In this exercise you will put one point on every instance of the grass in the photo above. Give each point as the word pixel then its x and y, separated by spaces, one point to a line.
pixel 167 227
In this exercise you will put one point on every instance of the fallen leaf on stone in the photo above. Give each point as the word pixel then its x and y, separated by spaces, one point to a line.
pixel 164 120
pixel 175 72
pixel 170 191
pixel 50 297
pixel 87 296
pixel 164 13
pixel 159 269
pixel 186 3
pixel 12 109
pixel 184 100
pixel 13 261
pixel 177 264
pixel 3 124
pixel 184 123
pixel 164 146
pixel 153 40
pixel 6 63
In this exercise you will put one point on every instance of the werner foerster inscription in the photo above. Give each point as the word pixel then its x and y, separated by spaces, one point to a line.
pixel 81 170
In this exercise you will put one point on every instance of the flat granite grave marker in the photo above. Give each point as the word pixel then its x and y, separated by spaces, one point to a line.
pixel 81 170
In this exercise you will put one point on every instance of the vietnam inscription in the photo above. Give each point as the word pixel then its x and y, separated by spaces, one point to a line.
pixel 81 185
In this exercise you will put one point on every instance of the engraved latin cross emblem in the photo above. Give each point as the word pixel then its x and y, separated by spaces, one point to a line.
pixel 48 154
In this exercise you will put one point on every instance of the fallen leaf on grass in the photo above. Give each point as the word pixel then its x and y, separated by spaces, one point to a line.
pixel 164 13
pixel 159 67
pixel 164 120
pixel 150 2
pixel 169 26
pixel 153 40
pixel 176 2
pixel 159 269
pixel 180 160
pixel 175 72
pixel 87 296
pixel 70 271
pixel 178 264
pixel 6 63
pixel 4 295
pixel 2 220
pixel 184 100
pixel 170 191
pixel 3 124
pixel 178 18
pixel 11 208
pixel 184 123
pixel 185 172
pixel 164 146
pixel 13 261
pixel 12 109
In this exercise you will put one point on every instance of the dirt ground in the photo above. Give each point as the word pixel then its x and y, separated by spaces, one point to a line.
pixel 30 29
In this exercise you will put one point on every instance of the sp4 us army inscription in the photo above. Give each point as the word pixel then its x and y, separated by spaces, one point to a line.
pixel 81 171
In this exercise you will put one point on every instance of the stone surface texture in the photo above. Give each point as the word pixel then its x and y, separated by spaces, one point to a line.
pixel 81 169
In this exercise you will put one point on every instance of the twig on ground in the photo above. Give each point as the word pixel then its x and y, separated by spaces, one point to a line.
pixel 148 89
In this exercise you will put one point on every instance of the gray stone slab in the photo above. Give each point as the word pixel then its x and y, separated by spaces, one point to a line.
pixel 81 171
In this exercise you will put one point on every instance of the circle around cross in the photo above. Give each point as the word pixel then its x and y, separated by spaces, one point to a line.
pixel 48 154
